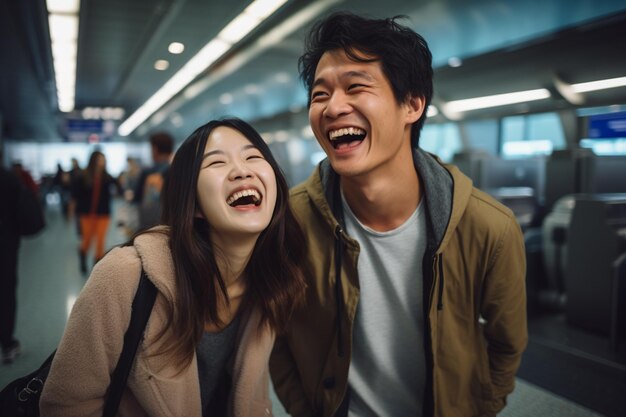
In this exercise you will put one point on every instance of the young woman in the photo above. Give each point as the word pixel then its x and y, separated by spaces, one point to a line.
pixel 91 201
pixel 226 265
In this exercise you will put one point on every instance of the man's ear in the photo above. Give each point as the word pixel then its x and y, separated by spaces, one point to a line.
pixel 415 108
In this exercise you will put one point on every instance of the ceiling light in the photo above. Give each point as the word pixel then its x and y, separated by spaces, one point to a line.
pixel 496 100
pixel 432 111
pixel 238 28
pixel 282 77
pixel 63 6
pixel 455 61
pixel 63 25
pixel 64 51
pixel 176 48
pixel 599 85
pixel 161 65
pixel 176 119
pixel 263 8
pixel 251 89
pixel 226 98
pixel 201 61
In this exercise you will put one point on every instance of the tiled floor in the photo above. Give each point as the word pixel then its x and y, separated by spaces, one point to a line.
pixel 49 281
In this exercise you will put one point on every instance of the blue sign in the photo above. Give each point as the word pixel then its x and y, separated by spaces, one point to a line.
pixel 610 125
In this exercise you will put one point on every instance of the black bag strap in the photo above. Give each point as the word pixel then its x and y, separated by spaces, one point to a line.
pixel 141 309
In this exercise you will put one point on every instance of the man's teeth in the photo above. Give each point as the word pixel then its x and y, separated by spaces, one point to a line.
pixel 244 193
pixel 345 131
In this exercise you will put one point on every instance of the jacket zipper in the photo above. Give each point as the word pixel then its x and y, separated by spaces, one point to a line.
pixel 440 292
pixel 338 289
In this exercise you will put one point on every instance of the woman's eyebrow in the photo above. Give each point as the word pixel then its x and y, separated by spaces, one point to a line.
pixel 210 153
pixel 220 152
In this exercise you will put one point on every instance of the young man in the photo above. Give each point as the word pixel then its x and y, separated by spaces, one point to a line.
pixel 148 191
pixel 416 302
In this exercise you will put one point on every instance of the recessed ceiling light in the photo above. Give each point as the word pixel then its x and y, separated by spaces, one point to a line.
pixel 251 89
pixel 282 77
pixel 455 61
pixel 161 65
pixel 176 48
pixel 226 98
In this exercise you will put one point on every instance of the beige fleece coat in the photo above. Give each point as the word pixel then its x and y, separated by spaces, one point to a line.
pixel 93 340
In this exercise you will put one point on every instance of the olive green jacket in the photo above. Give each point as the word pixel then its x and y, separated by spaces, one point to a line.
pixel 474 299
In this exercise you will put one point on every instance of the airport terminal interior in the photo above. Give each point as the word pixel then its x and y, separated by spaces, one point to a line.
pixel 529 102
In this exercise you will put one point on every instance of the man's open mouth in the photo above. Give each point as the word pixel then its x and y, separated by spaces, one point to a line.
pixel 246 197
pixel 346 137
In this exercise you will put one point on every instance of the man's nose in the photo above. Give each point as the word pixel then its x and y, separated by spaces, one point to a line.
pixel 337 105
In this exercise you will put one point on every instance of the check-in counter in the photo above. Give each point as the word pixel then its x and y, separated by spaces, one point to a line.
pixel 597 238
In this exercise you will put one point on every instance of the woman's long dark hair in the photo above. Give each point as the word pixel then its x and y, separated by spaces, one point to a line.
pixel 90 171
pixel 275 283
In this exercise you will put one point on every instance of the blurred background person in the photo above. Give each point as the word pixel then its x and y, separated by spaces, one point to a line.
pixel 61 184
pixel 127 214
pixel 20 215
pixel 148 192
pixel 26 178
pixel 91 202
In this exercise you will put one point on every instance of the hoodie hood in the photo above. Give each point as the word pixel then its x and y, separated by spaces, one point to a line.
pixel 446 192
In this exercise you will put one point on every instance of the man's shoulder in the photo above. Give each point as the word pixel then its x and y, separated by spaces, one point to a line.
pixel 490 203
pixel 487 213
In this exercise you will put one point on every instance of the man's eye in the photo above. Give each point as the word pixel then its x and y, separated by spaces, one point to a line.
pixel 317 94
pixel 353 86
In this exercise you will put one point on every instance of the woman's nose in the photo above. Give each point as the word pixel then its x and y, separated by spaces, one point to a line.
pixel 240 170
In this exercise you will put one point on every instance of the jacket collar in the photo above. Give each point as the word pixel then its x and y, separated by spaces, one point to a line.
pixel 446 193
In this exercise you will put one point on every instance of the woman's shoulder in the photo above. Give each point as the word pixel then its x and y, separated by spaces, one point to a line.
pixel 117 265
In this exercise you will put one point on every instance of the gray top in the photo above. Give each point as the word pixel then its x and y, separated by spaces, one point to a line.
pixel 213 353
pixel 387 371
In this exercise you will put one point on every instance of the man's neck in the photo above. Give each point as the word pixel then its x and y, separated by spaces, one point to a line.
pixel 384 201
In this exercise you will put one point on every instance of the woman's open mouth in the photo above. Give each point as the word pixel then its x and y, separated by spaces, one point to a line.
pixel 247 197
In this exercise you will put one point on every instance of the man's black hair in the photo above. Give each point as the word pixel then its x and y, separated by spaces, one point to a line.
pixel 404 55
pixel 163 142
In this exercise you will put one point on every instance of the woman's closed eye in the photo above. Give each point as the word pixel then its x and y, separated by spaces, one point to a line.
pixel 215 162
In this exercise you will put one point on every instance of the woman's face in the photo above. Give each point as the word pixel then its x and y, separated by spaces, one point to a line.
pixel 236 185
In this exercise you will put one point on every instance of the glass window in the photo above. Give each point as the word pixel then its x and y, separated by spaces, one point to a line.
pixel 482 135
pixel 443 140
pixel 534 134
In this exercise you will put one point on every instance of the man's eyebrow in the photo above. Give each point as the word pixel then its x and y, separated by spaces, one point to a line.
pixel 357 74
pixel 348 74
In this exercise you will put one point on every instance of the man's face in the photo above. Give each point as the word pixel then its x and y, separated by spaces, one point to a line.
pixel 356 117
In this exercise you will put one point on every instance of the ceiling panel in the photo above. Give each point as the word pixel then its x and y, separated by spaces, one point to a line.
pixel 505 44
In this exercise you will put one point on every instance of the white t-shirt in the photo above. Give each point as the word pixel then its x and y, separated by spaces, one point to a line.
pixel 387 371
